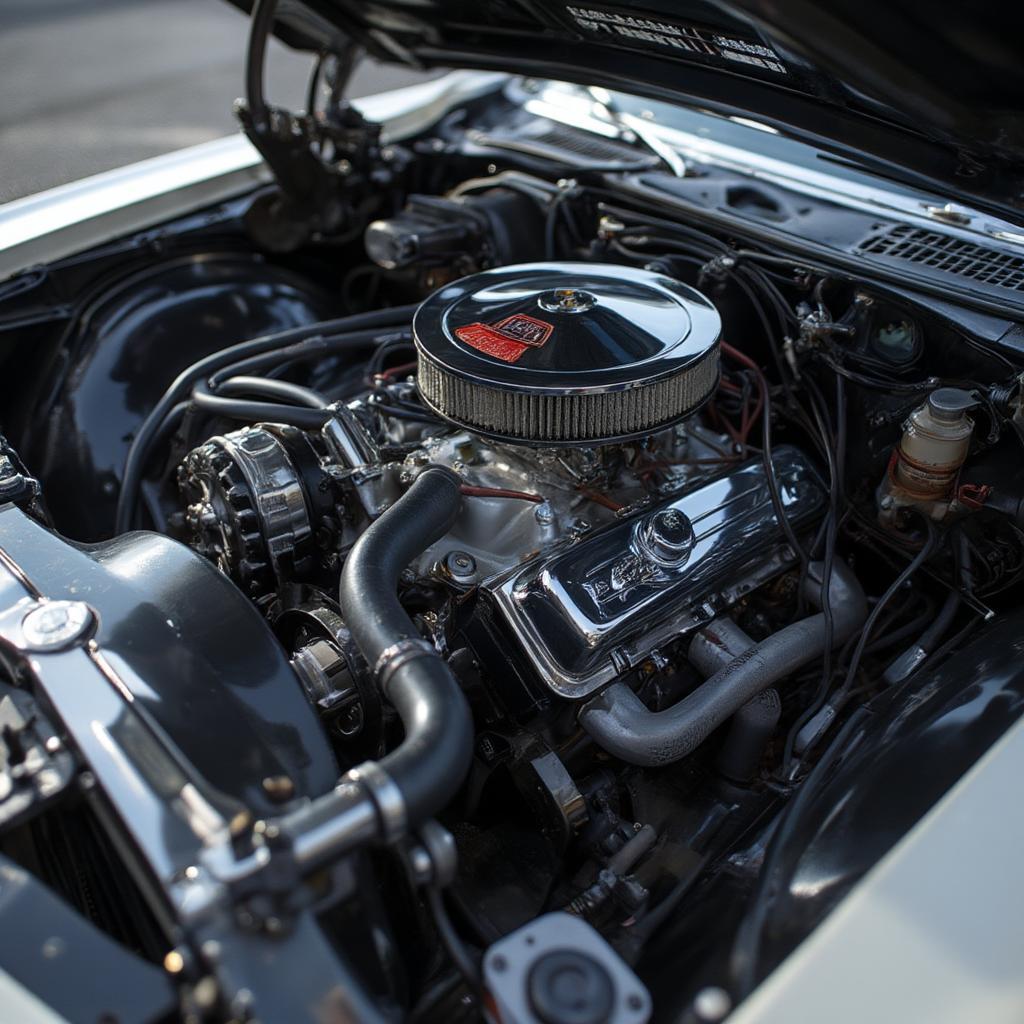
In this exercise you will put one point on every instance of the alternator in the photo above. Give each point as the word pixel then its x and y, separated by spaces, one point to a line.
pixel 255 499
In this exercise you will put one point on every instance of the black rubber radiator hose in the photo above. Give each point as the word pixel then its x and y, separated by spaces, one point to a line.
pixel 431 762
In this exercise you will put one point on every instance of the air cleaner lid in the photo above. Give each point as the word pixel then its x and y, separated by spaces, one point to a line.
pixel 637 350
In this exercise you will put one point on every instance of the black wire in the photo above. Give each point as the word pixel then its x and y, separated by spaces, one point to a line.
pixel 307 337
pixel 927 550
pixel 825 601
pixel 900 387
pixel 745 957
pixel 789 263
pixel 835 453
pixel 954 642
pixel 751 281
pixel 457 950
pixel 711 246
pixel 618 246
pixel 430 1000
pixel 781 367
pixel 262 21
pixel 314 83
pixel 841 427
pixel 376 362
pixel 773 483
pixel 932 636
pixel 314 347
pixel 884 638
pixel 318 344
pixel 627 215
pixel 988 352
pixel 656 916
pixel 295 394
pixel 174 419
pixel 551 224
pixel 252 412
pixel 766 448
pixel 400 412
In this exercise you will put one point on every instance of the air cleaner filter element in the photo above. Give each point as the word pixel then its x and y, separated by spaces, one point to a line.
pixel 566 353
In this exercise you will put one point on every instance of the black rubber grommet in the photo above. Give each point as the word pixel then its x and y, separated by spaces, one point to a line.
pixel 569 987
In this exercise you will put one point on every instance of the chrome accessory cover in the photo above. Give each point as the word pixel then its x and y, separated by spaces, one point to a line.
pixel 572 353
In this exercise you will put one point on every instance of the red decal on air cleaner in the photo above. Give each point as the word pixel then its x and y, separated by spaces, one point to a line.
pixel 508 339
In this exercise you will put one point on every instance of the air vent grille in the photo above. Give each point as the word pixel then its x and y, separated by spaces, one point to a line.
pixel 555 141
pixel 949 255
pixel 589 146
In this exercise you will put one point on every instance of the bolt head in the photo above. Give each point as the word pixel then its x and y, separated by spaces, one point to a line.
pixel 421 864
pixel 461 565
pixel 712 1004
pixel 174 962
pixel 55 624
pixel 279 788
pixel 544 513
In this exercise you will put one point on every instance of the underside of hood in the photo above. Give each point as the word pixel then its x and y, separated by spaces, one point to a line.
pixel 928 94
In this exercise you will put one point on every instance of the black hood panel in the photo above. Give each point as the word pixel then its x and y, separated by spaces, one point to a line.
pixel 931 94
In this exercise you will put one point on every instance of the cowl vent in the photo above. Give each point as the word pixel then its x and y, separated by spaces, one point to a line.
pixel 949 255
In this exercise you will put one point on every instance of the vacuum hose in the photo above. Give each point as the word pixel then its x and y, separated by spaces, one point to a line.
pixel 620 723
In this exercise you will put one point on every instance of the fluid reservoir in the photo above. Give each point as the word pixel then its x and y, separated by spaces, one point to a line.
pixel 934 445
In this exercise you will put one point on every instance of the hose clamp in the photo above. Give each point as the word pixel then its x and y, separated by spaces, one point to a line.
pixel 386 797
pixel 398 654
pixel 434 859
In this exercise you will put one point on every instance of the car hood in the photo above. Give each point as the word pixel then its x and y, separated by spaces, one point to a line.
pixel 928 94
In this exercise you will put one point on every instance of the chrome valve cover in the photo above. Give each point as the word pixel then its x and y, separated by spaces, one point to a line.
pixel 607 603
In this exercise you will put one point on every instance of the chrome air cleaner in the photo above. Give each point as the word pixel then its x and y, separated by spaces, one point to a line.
pixel 566 353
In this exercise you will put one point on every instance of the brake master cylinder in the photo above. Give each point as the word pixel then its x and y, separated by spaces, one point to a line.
pixel 926 463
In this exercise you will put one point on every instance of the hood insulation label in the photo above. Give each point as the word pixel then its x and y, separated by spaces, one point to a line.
pixel 684 40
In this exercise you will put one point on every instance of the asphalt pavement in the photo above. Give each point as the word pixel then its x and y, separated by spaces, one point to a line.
pixel 88 85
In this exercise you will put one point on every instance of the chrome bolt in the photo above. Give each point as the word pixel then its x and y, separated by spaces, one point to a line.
pixel 55 624
pixel 174 962
pixel 712 1004
pixel 206 993
pixel 461 565
pixel 279 788
pixel 422 865
pixel 544 513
